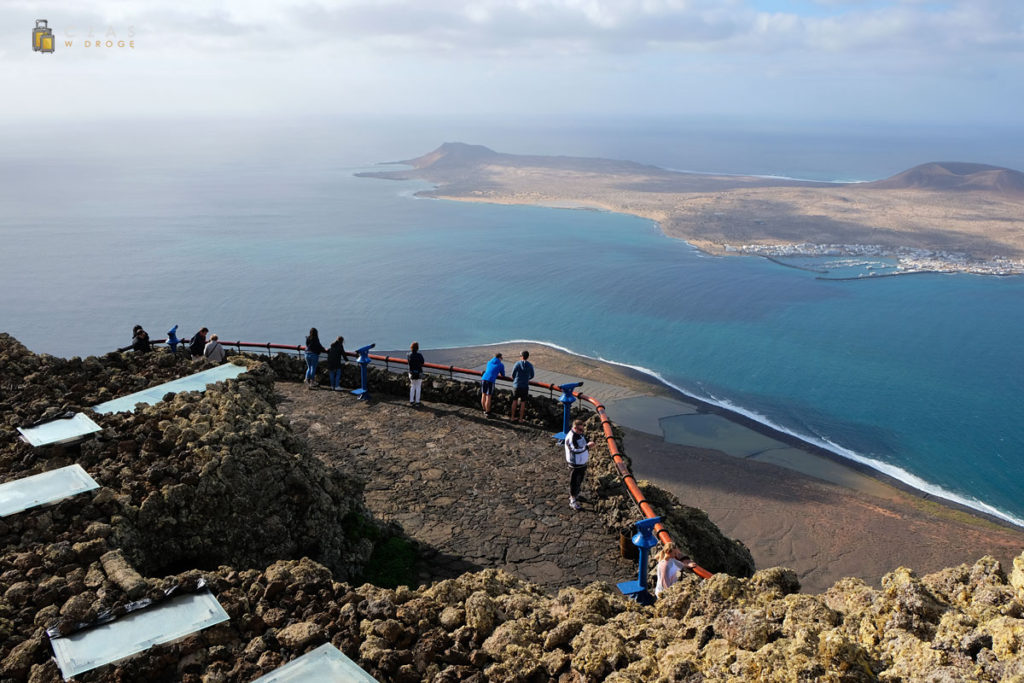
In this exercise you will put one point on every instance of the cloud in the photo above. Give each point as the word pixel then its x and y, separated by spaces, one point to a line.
pixel 456 27
pixel 850 56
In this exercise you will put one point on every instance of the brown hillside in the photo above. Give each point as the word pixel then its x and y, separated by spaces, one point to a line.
pixel 451 154
pixel 955 176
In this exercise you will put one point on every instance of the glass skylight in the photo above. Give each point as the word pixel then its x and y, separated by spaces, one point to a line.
pixel 61 430
pixel 136 632
pixel 196 382
pixel 326 663
pixel 47 487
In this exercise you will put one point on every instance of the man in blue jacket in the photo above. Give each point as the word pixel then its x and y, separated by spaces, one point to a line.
pixel 495 369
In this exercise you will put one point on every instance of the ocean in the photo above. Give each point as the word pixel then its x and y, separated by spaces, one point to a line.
pixel 260 230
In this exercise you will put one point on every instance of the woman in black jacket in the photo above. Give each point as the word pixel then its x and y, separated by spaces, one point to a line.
pixel 140 339
pixel 313 350
pixel 198 344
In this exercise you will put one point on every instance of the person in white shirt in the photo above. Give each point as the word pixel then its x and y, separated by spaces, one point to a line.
pixel 577 453
pixel 671 561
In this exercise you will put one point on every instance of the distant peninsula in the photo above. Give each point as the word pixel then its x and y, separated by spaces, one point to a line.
pixel 939 216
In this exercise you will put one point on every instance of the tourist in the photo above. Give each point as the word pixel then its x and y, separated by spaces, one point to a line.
pixel 522 373
pixel 415 359
pixel 214 351
pixel 313 350
pixel 335 357
pixel 670 562
pixel 198 343
pixel 577 453
pixel 495 368
pixel 140 339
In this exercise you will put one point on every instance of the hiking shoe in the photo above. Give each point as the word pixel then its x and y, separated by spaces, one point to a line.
pixel 574 504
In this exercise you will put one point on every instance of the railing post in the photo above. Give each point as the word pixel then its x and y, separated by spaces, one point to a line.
pixel 643 539
pixel 363 392
pixel 566 399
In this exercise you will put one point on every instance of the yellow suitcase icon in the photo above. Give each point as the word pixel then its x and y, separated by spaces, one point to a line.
pixel 42 37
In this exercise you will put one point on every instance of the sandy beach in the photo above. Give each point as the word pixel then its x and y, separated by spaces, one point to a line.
pixel 816 515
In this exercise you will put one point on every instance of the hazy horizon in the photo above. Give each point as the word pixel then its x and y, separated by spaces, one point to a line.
pixel 838 152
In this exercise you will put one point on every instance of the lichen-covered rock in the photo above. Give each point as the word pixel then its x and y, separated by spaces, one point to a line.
pixel 123 574
pixel 481 613
pixel 746 629
pixel 300 635
pixel 19 660
pixel 280 567
pixel 240 455
pixel 597 651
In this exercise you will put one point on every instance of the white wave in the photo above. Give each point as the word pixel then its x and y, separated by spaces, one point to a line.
pixel 767 176
pixel 897 473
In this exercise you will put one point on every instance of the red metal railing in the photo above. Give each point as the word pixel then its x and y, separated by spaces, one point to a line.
pixel 628 480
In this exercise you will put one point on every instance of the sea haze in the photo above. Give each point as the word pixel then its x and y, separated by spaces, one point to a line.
pixel 260 231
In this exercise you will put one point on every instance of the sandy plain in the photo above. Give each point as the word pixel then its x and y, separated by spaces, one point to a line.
pixel 959 217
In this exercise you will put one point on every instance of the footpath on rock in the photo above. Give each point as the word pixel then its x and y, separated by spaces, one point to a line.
pixel 476 492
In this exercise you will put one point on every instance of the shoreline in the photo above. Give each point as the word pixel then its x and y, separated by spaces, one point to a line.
pixel 918 216
pixel 919 261
pixel 935 264
pixel 660 386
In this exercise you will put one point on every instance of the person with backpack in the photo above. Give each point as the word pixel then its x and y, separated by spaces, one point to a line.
pixel 214 351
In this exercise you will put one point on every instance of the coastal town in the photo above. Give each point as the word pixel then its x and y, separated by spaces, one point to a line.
pixel 907 260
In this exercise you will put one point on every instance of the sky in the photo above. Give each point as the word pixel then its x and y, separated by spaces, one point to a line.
pixel 893 61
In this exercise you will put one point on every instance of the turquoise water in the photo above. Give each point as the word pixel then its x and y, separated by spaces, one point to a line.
pixel 919 376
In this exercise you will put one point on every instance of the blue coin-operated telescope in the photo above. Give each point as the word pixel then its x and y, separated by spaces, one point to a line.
pixel 172 338
pixel 566 399
pixel 643 539
pixel 363 392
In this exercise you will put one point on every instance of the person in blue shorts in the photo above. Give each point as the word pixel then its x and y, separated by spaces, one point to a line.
pixel 495 368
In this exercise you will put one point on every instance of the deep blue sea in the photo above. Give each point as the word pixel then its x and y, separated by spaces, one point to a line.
pixel 260 230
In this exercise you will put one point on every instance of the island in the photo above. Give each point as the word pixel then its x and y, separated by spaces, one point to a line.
pixel 939 216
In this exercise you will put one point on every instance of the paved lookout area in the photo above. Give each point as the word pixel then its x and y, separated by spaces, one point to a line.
pixel 482 493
